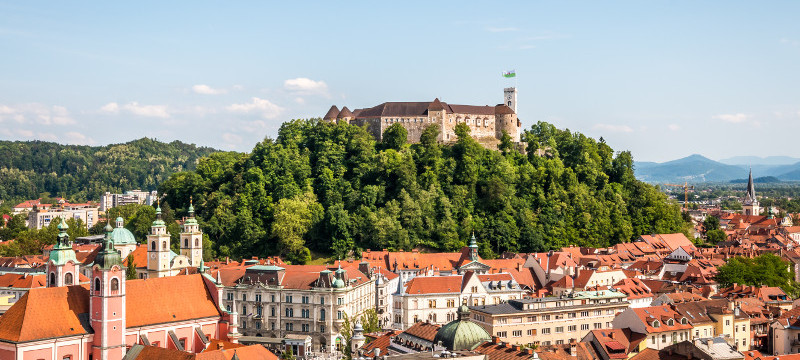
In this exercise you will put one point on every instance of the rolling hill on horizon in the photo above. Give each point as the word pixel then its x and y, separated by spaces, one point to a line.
pixel 697 168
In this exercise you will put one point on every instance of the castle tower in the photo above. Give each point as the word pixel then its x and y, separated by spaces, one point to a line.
pixel 750 203
pixel 192 239
pixel 107 302
pixel 510 98
pixel 158 254
pixel 62 266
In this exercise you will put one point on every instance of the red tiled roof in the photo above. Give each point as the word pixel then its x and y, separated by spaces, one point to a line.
pixel 22 281
pixel 168 299
pixel 423 330
pixel 502 352
pixel 434 285
pixel 46 313
pixel 661 313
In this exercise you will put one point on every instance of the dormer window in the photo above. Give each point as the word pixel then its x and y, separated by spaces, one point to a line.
pixel 684 321
pixel 656 323
pixel 670 322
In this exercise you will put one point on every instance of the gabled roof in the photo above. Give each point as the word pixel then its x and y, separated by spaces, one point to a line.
pixel 660 313
pixel 44 313
pixel 168 299
pixel 423 330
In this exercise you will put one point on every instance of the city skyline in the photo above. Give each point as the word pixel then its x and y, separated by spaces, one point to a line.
pixel 692 78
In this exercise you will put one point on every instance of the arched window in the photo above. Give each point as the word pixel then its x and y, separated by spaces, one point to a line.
pixel 114 284
pixel 68 279
pixel 96 284
pixel 185 242
pixel 52 279
pixel 196 242
pixel 153 246
pixel 163 245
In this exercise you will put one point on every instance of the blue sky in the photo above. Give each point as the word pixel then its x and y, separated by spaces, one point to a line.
pixel 661 79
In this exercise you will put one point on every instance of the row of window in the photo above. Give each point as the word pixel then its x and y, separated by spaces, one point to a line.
pixel 287 299
pixel 287 326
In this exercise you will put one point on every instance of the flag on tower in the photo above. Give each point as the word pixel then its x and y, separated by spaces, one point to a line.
pixel 510 74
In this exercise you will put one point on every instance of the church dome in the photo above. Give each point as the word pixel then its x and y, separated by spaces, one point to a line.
pixel 338 283
pixel 121 235
pixel 461 334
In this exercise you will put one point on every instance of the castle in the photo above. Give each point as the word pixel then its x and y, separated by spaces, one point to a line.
pixel 487 123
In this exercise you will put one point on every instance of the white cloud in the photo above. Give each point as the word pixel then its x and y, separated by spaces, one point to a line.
pixel 25 133
pixel 47 136
pixel 300 100
pixel 36 113
pixel 207 90
pixel 673 127
pixel 732 118
pixel 501 29
pixel 111 107
pixel 613 128
pixel 158 111
pixel 261 106
pixel 306 86
pixel 77 138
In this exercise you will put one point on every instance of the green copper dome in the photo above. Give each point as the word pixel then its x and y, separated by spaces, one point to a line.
pixel 121 235
pixel 108 256
pixel 461 334
pixel 338 283
pixel 158 221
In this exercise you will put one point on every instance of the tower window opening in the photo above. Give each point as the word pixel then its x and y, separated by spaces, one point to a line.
pixel 114 284
pixel 96 284
pixel 68 279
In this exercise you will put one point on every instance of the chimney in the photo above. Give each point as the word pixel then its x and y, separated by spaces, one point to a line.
pixel 495 340
pixel 709 342
pixel 515 347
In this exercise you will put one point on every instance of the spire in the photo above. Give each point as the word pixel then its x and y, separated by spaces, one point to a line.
pixel 108 255
pixel 191 207
pixel 158 222
pixel 473 248
pixel 751 188
pixel 63 237
pixel 62 250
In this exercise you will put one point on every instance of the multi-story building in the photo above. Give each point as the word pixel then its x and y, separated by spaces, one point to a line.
pixel 551 320
pixel 276 301
pixel 109 200
pixel 662 325
pixel 487 123
pixel 40 218
pixel 436 298
pixel 717 318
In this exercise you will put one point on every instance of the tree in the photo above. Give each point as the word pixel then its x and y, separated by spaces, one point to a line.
pixel 764 270
pixel 715 236
pixel 347 332
pixel 395 136
pixel 370 321
pixel 293 219
pixel 130 271
pixel 710 223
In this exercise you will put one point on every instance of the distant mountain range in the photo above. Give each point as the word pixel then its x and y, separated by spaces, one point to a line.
pixel 698 168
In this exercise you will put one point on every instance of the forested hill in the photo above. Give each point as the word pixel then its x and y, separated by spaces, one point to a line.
pixel 85 172
pixel 333 188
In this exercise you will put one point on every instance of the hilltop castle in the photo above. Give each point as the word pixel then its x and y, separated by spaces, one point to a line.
pixel 486 122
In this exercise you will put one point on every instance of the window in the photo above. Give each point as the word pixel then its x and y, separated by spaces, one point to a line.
pixel 196 242
pixel 572 315
pixel 272 311
pixel 272 325
pixel 530 332
pixel 584 313
pixel 163 245
pixel 322 329
pixel 339 301
pixel 598 312
pixel 259 310
pixel 304 300
pixel 559 329
pixel 653 339
pixel 258 325
pixel 727 322
pixel 531 318
pixel 244 297
pixel 288 298
pixel 228 308
pixel 322 301
pixel 502 334
pixel 289 327
pixel 305 327
pixel 272 298
pixel 432 304
pixel 305 313
pixel 598 325
pixel 516 333
pixel 339 316
pixel 258 297
pixel 182 341
pixel 289 312
pixel 114 284
pixel 96 284
pixel 663 338
pixel 244 309
pixel 546 331
pixel 230 296
pixel 68 279
pixel 322 314
pixel 572 328
pixel 545 317
pixel 153 246
pixel 185 242
pixel 584 326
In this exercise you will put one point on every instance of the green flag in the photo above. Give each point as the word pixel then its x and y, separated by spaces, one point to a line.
pixel 510 74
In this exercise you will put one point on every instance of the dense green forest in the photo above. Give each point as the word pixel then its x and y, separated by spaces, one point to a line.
pixel 332 188
pixel 81 173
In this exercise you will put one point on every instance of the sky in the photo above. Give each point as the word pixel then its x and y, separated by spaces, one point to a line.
pixel 663 79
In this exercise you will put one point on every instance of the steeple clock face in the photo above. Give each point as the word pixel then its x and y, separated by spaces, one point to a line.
pixel 152 255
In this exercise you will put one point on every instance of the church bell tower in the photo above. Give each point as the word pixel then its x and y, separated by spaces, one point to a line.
pixel 192 239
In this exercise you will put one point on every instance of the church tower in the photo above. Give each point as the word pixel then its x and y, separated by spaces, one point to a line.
pixel 192 239
pixel 62 266
pixel 473 249
pixel 510 98
pixel 107 302
pixel 158 253
pixel 750 203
